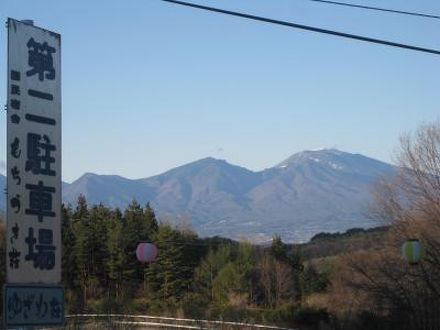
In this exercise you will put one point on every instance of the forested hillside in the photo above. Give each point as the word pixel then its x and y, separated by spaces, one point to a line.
pixel 212 278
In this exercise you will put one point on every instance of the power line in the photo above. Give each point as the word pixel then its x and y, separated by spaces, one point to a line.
pixel 353 5
pixel 307 28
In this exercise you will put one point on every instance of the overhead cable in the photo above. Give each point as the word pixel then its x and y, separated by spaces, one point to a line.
pixel 307 27
pixel 394 11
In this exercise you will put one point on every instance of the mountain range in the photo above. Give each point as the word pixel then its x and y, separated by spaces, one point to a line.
pixel 312 191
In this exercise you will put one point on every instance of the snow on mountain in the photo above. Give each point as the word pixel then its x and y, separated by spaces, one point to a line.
pixel 310 192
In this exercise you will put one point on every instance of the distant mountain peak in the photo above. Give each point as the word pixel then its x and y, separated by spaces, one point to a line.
pixel 311 191
pixel 324 155
pixel 210 160
pixel 334 160
pixel 322 151
pixel 198 164
pixel 88 175
pixel 327 150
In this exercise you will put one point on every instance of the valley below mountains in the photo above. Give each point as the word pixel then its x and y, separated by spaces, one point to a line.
pixel 312 191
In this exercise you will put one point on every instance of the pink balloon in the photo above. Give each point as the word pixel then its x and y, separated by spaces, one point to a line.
pixel 146 252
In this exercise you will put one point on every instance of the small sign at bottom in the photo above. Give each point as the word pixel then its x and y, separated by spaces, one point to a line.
pixel 33 305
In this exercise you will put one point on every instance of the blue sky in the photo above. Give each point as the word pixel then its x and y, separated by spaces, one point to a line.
pixel 148 86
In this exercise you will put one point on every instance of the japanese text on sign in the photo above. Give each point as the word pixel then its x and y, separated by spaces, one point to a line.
pixel 34 155
pixel 33 305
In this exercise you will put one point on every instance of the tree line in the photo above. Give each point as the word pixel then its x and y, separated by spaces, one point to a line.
pixel 203 278
pixel 213 278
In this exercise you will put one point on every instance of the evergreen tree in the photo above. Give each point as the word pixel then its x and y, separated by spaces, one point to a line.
pixel 97 245
pixel 116 258
pixel 69 266
pixel 132 234
pixel 170 275
pixel 81 249
pixel 152 225
pixel 312 281
pixel 278 249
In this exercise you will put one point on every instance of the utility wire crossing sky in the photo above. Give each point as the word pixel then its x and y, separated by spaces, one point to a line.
pixel 307 28
pixel 393 11
pixel 149 85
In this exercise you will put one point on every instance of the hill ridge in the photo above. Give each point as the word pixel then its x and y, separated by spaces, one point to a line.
pixel 309 192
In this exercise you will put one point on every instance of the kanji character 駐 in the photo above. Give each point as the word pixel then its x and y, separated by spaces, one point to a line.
pixel 39 154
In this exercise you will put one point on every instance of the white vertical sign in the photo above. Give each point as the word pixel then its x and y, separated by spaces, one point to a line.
pixel 34 155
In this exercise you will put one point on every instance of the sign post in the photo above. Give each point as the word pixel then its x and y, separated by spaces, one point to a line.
pixel 32 294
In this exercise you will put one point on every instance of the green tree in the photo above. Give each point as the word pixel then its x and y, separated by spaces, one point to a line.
pixel 135 230
pixel 151 221
pixel 115 262
pixel 278 249
pixel 245 265
pixel 81 249
pixel 98 249
pixel 312 281
pixel 209 267
pixel 226 283
pixel 69 266
pixel 170 275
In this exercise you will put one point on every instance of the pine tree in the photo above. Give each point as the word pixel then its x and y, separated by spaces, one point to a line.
pixel 82 232
pixel 97 246
pixel 116 259
pixel 278 249
pixel 170 275
pixel 151 223
pixel 69 266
